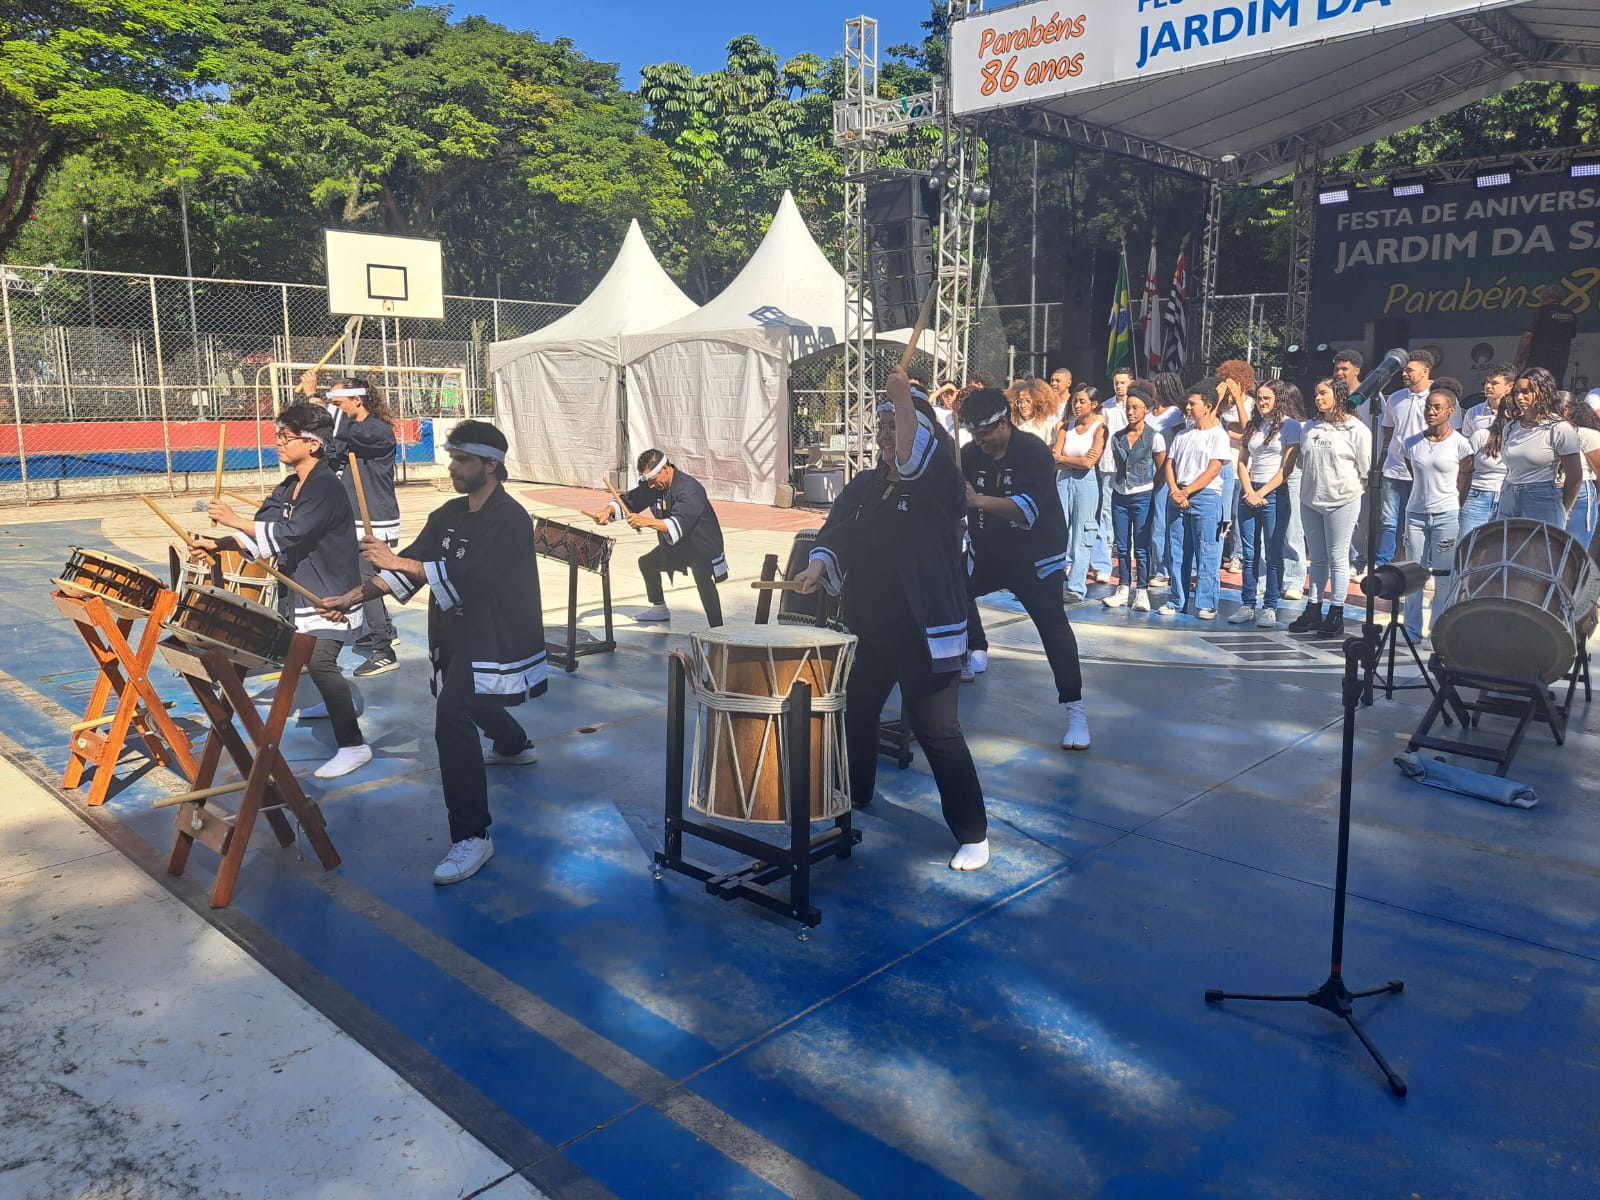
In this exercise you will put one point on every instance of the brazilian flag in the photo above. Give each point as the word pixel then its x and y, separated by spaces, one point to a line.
pixel 1119 339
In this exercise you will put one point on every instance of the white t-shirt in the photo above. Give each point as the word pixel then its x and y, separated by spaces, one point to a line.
pixel 1043 428
pixel 1479 416
pixel 1402 412
pixel 1158 445
pixel 1488 474
pixel 1435 467
pixel 1166 422
pixel 1194 450
pixel 1588 440
pixel 1266 457
pixel 1534 455
pixel 1116 420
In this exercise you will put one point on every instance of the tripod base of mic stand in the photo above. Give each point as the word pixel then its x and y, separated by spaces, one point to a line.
pixel 1337 999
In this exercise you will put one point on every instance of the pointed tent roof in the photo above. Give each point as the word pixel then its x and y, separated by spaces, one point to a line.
pixel 788 293
pixel 635 294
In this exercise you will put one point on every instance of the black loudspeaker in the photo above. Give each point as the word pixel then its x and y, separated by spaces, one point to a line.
pixel 1383 335
pixel 900 251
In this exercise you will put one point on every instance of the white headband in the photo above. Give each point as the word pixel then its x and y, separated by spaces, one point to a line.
pixel 653 471
pixel 305 437
pixel 986 422
pixel 347 392
pixel 477 449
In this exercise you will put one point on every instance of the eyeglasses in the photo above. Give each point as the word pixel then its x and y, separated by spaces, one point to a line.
pixel 284 437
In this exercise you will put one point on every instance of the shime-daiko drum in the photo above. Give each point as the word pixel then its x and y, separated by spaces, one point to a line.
pixel 127 590
pixel 1520 597
pixel 248 634
pixel 742 677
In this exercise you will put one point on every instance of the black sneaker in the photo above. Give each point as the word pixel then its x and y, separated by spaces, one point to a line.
pixel 380 663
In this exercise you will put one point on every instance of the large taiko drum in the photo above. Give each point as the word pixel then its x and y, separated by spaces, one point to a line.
pixel 128 591
pixel 232 572
pixel 1519 593
pixel 247 633
pixel 742 677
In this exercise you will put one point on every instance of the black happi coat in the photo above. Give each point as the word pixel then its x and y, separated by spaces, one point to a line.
pixel 1027 475
pixel 693 532
pixel 372 443
pixel 309 535
pixel 899 543
pixel 484 601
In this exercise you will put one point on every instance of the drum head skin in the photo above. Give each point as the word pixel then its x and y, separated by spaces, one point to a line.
pixel 1505 637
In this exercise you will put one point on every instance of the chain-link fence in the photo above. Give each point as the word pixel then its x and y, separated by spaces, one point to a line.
pixel 109 379
pixel 818 432
pixel 1253 327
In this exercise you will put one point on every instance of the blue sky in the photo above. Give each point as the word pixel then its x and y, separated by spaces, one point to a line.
pixel 634 33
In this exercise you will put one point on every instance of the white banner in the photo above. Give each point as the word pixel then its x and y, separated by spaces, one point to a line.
pixel 1033 52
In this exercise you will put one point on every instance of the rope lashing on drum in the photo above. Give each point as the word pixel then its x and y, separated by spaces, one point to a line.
pixel 743 702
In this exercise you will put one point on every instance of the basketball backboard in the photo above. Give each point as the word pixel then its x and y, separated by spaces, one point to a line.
pixel 374 275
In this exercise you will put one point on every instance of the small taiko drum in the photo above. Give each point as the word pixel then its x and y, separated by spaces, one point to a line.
pixel 128 591
pixel 247 633
pixel 742 678
pixel 567 543
pixel 231 571
pixel 1520 592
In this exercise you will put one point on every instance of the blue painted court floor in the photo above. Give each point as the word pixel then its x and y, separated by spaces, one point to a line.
pixel 1035 1029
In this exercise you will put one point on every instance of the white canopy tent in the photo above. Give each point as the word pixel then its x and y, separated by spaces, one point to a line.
pixel 710 389
pixel 556 389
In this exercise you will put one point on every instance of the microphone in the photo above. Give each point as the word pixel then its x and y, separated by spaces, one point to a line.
pixel 1380 377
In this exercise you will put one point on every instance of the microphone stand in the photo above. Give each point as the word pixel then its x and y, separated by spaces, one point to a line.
pixel 1360 665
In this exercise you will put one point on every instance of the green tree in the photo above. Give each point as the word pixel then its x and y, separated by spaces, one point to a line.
pixel 121 78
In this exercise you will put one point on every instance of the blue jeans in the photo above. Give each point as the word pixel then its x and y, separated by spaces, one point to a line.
pixel 1193 545
pixel 1159 565
pixel 1261 534
pixel 1295 560
pixel 1131 518
pixel 1432 539
pixel 1538 501
pixel 1230 494
pixel 1396 495
pixel 1582 521
pixel 1478 509
pixel 1080 500
pixel 1101 558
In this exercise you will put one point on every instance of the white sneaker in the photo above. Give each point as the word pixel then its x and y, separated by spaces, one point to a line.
pixel 342 763
pixel 466 857
pixel 980 661
pixel 1077 735
pixel 1241 615
pixel 1168 610
pixel 1117 598
pixel 1267 618
pixel 1293 594
pixel 1141 601
pixel 656 612
pixel 493 757
pixel 971 856
pixel 317 712
pixel 967 673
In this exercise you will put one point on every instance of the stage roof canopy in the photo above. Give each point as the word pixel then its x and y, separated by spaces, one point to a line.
pixel 1250 117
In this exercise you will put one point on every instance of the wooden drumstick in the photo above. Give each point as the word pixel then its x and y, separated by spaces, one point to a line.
pixel 222 446
pixel 775 585
pixel 287 582
pixel 171 524
pixel 917 331
pixel 253 501
pixel 361 496
pixel 617 496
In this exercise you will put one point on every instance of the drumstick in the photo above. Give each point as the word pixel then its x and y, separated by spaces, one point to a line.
pixel 361 496
pixel 287 582
pixel 253 501
pixel 615 495
pixel 222 445
pixel 922 324
pixel 171 524
pixel 349 325
pixel 775 585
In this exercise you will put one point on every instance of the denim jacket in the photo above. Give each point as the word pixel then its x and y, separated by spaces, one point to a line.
pixel 1135 464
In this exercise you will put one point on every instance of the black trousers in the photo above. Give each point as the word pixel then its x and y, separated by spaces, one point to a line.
pixel 457 716
pixel 379 637
pixel 1041 599
pixel 928 702
pixel 653 564
pixel 334 689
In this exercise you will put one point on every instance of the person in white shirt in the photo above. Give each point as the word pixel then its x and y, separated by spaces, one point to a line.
pixel 1139 452
pixel 1080 443
pixel 1061 385
pixel 1487 473
pixel 1267 453
pixel 1581 524
pixel 1439 482
pixel 1167 419
pixel 1193 472
pixel 1402 419
pixel 1335 455
pixel 1116 419
pixel 1539 447
pixel 1237 386
pixel 1033 408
